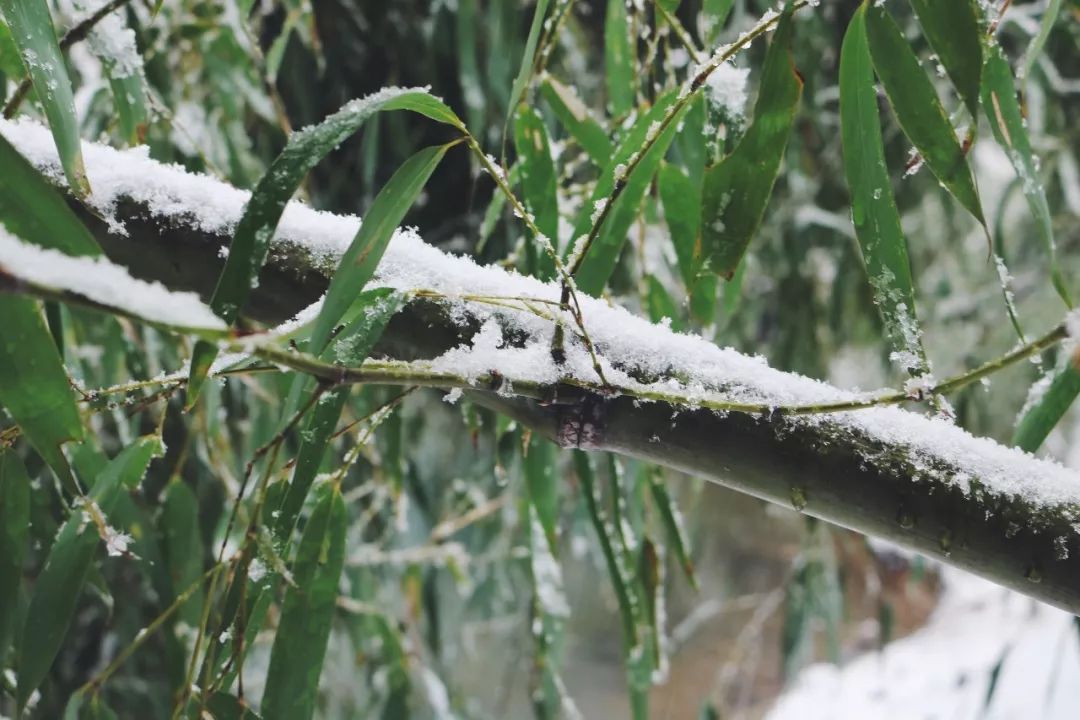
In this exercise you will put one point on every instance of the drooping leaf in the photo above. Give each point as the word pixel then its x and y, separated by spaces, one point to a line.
pixel 737 190
pixel 873 208
pixel 472 88
pixel 1010 130
pixel 542 482
pixel 575 117
pixel 57 589
pixel 296 659
pixel 526 67
pixel 251 240
pixel 952 29
pixel 1031 55
pixel 538 183
pixel 618 59
pixel 34 386
pixel 599 262
pixel 14 522
pixel 1044 415
pixel 372 310
pixel 224 706
pixel 681 199
pixel 918 108
pixel 34 211
pixel 662 307
pixel 671 519
pixel 183 547
pixel 714 14
pixel 33 32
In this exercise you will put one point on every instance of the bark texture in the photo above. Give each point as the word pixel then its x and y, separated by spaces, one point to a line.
pixel 827 470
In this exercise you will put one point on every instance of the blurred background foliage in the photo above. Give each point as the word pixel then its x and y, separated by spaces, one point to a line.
pixel 437 603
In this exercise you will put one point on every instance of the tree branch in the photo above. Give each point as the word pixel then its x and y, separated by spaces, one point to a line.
pixel 1005 516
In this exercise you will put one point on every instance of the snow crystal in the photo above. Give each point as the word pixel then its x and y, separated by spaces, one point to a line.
pixel 726 87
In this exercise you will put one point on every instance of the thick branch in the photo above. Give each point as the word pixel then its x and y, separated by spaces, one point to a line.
pixel 1011 519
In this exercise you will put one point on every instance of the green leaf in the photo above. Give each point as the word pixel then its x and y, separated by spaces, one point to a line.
pixel 372 310
pixel 183 547
pixel 34 386
pixel 33 32
pixel 1031 56
pixel 14 522
pixel 918 109
pixel 472 87
pixel 671 519
pixel 1045 414
pixel 35 211
pixel 598 264
pixel 737 189
pixel 251 241
pixel 359 261
pixel 952 29
pixel 714 14
pixel 661 305
pixel 578 121
pixel 538 183
pixel 1007 123
pixel 526 67
pixel 681 199
pixel 873 209
pixel 618 59
pixel 543 485
pixel 57 590
pixel 296 658
pixel 223 706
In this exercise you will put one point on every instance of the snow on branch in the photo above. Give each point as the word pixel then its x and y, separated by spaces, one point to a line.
pixel 654 366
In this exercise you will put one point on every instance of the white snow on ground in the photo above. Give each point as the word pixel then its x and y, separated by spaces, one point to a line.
pixel 636 346
pixel 943 670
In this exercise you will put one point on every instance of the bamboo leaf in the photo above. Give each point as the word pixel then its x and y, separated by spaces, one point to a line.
pixel 578 121
pixel 543 485
pixel 918 109
pixel 360 259
pixel 223 706
pixel 681 199
pixel 526 67
pixel 873 209
pixel 57 589
pixel 33 32
pixel 1045 414
pixel 183 547
pixel 618 59
pixel 597 266
pixel 737 189
pixel 671 519
pixel 1010 130
pixel 14 522
pixel 538 183
pixel 1031 56
pixel 33 210
pixel 296 658
pixel 372 310
pixel 952 29
pixel 305 149
pixel 714 14
pixel 34 386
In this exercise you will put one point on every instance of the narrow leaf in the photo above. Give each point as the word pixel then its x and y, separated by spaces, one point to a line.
pixel 34 386
pixel 918 109
pixel 1010 130
pixel 599 263
pixel 671 519
pixel 737 190
pixel 952 29
pixel 373 310
pixel 873 209
pixel 578 121
pixel 33 32
pixel 538 183
pixel 618 59
pixel 35 211
pixel 526 67
pixel 14 522
pixel 57 590
pixel 543 485
pixel 1044 415
pixel 359 261
pixel 183 547
pixel 251 241
pixel 681 199
pixel 296 658
pixel 1031 56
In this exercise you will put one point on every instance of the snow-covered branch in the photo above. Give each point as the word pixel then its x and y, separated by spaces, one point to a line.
pixel 889 472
